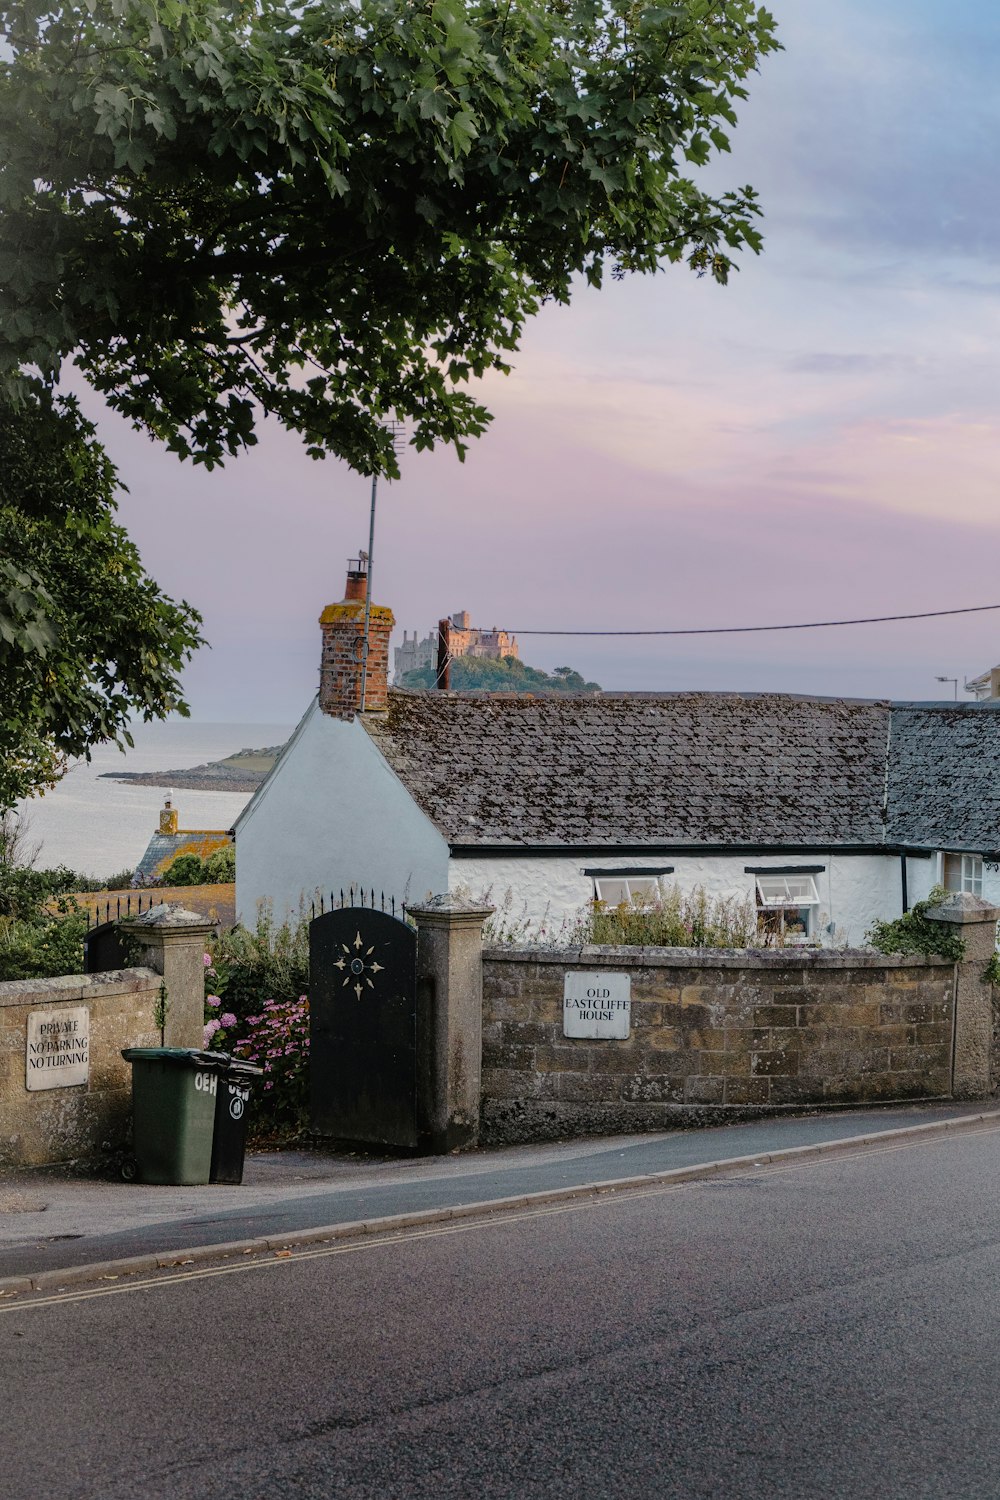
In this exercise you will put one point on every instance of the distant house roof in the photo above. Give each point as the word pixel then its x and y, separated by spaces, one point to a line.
pixel 622 770
pixel 164 848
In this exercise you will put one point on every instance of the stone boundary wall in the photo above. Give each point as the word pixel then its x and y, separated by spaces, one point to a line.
pixel 81 1121
pixel 714 1033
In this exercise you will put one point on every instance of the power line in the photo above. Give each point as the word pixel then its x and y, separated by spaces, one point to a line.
pixel 927 614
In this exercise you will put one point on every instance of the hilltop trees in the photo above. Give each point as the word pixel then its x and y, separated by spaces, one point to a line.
pixel 340 210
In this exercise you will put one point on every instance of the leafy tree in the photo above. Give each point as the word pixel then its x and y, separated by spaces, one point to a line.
pixel 220 867
pixel 87 640
pixel 507 674
pixel 191 869
pixel 338 211
pixel 186 869
pixel 41 927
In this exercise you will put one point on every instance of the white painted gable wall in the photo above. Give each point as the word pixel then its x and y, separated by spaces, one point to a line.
pixel 331 814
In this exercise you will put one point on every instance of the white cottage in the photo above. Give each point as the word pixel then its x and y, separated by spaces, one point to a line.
pixel 828 811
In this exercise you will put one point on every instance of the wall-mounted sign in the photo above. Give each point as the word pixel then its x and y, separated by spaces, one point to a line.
pixel 58 1048
pixel 597 1005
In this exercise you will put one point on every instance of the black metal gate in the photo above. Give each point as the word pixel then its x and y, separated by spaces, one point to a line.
pixel 363 1041
pixel 104 948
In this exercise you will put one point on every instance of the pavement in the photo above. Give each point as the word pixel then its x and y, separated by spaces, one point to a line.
pixel 56 1227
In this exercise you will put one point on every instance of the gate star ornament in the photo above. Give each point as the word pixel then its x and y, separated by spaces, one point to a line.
pixel 357 967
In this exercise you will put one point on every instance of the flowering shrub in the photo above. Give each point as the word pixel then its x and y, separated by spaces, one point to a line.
pixel 256 982
pixel 277 1040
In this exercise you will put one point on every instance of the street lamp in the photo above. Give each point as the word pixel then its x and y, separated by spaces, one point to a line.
pixel 943 679
pixel 395 431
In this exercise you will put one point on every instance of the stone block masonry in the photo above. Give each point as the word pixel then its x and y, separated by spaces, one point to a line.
pixel 713 1033
pixel 65 1089
pixel 90 1119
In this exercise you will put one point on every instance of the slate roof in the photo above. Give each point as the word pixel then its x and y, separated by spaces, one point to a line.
pixel 944 776
pixel 621 770
pixel 164 848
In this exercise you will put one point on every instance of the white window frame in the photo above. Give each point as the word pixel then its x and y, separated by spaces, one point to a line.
pixel 779 893
pixel 970 872
pixel 632 886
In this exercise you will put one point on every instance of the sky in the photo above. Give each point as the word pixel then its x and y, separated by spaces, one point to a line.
pixel 820 439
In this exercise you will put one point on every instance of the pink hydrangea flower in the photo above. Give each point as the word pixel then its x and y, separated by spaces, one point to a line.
pixel 213 1000
pixel 227 1019
pixel 211 1027
pixel 206 959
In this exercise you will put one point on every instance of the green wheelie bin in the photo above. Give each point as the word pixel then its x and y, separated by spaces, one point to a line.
pixel 174 1092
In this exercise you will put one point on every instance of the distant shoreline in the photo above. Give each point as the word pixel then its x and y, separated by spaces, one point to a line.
pixel 242 772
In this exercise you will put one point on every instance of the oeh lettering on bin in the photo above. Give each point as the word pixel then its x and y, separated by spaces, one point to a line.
pixel 206 1083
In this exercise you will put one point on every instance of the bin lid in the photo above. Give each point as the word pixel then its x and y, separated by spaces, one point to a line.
pixel 194 1057
pixel 239 1067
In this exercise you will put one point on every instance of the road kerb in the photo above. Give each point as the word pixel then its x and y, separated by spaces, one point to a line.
pixel 53 1280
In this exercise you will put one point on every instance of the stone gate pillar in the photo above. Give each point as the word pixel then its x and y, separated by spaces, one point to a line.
pixel 975 922
pixel 174 943
pixel 449 1019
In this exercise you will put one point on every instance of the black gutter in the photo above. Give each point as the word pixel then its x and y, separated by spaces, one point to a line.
pixel 656 851
pixel 902 879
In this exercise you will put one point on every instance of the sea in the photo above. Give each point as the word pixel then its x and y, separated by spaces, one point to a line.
pixel 99 827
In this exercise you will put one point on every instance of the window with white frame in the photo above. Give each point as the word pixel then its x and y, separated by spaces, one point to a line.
pixel 787 905
pixel 615 888
pixel 963 872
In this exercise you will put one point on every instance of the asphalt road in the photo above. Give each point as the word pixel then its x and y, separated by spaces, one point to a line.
pixel 830 1329
pixel 82 1222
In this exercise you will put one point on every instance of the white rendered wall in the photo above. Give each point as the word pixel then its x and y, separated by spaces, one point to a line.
pixel 853 889
pixel 333 814
pixel 922 874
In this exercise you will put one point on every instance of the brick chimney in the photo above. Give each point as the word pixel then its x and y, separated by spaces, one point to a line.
pixel 341 665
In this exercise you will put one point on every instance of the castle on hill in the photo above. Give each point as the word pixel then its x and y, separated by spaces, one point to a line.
pixel 463 640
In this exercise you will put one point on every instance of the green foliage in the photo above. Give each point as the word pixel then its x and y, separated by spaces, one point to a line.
pixel 505 675
pixel 41 927
pixel 914 933
pixel 676 919
pixel 186 869
pixel 218 868
pixel 50 944
pixel 87 641
pixel 268 962
pixel 343 210
pixel 161 1010
pixel 277 1040
pixel 256 1007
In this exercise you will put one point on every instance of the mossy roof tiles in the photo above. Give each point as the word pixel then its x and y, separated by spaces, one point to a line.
pixel 696 768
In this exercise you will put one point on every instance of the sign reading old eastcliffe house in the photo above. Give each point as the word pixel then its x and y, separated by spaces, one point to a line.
pixel 58 1049
pixel 597 1005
